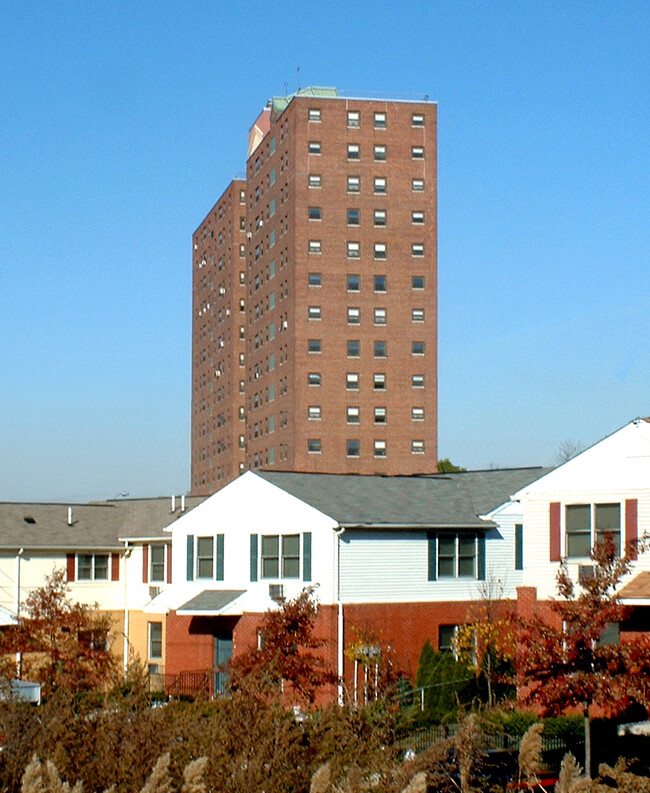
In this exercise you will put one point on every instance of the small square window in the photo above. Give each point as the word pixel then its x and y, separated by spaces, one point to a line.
pixel 314 412
pixel 417 282
pixel 417 414
pixel 314 446
pixel 379 381
pixel 315 213
pixel 315 180
pixel 417 185
pixel 354 348
pixel 380 217
pixel 417 315
pixel 313 378
pixel 352 381
pixel 380 185
pixel 417 152
pixel 354 184
pixel 380 283
pixel 354 250
pixel 314 147
pixel 315 279
pixel 417 381
pixel 380 448
pixel 353 217
pixel 380 316
pixel 353 414
pixel 354 315
pixel 315 246
pixel 417 348
pixel 417 447
pixel 354 282
pixel 353 448
pixel 381 349
pixel 380 153
pixel 354 151
pixel 314 345
pixel 417 120
pixel 314 114
pixel 417 217
pixel 380 120
pixel 380 415
pixel 353 118
pixel 313 312
pixel 380 250
pixel 417 249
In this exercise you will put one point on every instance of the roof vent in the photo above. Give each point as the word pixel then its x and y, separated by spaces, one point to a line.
pixel 69 516
pixel 29 519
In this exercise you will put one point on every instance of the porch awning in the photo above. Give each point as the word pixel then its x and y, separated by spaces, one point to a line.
pixel 638 589
pixel 211 603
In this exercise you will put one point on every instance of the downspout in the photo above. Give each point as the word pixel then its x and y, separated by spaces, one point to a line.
pixel 339 606
pixel 127 555
pixel 19 655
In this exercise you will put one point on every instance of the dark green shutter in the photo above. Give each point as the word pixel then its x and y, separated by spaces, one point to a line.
pixel 519 546
pixel 190 557
pixel 253 557
pixel 432 548
pixel 306 556
pixel 219 557
pixel 481 557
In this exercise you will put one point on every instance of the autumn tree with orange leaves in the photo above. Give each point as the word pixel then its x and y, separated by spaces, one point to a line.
pixel 287 653
pixel 580 661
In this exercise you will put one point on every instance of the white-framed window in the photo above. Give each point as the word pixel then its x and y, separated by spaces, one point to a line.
pixel 92 566
pixel 417 348
pixel 155 641
pixel 380 249
pixel 380 349
pixel 352 381
pixel 587 525
pixel 417 152
pixel 314 279
pixel 380 415
pixel 417 120
pixel 353 414
pixel 315 246
pixel 314 147
pixel 380 183
pixel 156 563
pixel 380 120
pixel 354 151
pixel 313 312
pixel 353 282
pixel 315 180
pixel 417 185
pixel 353 348
pixel 354 184
pixel 417 315
pixel 314 114
pixel 314 378
pixel 417 414
pixel 280 556
pixel 205 557
pixel 380 316
pixel 314 213
pixel 354 250
pixel 314 413
pixel 353 217
pixel 314 445
pixel 417 249
pixel 379 381
pixel 417 380
pixel 379 448
pixel 379 216
pixel 455 555
pixel 353 118
pixel 380 283
pixel 353 447
pixel 417 282
pixel 354 315
pixel 379 153
pixel 417 447
pixel 314 346
pixel 417 217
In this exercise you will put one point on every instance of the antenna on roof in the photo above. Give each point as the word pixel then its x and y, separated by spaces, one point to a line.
pixel 298 76
pixel 286 88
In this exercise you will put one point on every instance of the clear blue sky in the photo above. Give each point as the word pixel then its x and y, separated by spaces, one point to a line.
pixel 122 122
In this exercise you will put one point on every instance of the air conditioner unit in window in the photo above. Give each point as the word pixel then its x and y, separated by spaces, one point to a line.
pixel 154 591
pixel 276 592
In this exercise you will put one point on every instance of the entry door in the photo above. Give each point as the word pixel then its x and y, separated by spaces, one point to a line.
pixel 222 654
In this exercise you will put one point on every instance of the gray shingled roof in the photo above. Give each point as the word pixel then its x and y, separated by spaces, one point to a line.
pixel 94 525
pixel 435 500
pixel 210 600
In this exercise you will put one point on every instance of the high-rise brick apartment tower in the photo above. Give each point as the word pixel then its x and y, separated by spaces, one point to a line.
pixel 315 296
